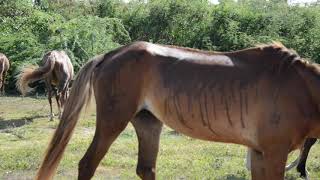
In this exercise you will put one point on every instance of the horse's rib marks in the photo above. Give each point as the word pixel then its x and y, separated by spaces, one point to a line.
pixel 227 111
pixel 241 109
pixel 214 106
pixel 201 114
pixel 166 107
pixel 246 101
pixel 189 102
pixel 207 114
pixel 232 93
pixel 180 117
pixel 206 106
pixel 210 128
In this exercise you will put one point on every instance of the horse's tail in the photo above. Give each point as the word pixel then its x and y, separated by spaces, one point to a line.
pixel 80 94
pixel 31 74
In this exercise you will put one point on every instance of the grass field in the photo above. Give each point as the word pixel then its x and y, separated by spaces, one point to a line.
pixel 25 132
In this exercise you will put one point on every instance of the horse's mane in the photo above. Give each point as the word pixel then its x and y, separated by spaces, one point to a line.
pixel 275 47
pixel 287 57
pixel 286 54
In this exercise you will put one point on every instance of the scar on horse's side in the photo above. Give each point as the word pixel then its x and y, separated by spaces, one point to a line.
pixel 243 97
pixel 56 71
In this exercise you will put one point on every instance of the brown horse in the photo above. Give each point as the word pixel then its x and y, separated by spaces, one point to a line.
pixel 266 98
pixel 4 67
pixel 56 70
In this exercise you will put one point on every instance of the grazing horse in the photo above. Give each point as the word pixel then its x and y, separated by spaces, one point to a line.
pixel 56 70
pixel 4 67
pixel 265 97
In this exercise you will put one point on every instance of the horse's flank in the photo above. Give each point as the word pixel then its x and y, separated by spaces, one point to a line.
pixel 255 97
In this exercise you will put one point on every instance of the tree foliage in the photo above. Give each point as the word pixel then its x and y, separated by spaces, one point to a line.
pixel 27 32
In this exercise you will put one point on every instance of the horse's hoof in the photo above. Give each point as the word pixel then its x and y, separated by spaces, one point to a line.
pixel 51 116
pixel 60 115
pixel 307 175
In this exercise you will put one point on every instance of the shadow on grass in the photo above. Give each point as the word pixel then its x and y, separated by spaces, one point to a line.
pixel 13 123
pixel 233 177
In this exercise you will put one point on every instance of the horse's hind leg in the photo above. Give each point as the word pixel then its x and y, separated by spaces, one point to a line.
pixel 148 129
pixel 49 89
pixel 58 104
pixel 61 94
pixel 268 165
pixel 301 168
pixel 111 121
pixel 3 83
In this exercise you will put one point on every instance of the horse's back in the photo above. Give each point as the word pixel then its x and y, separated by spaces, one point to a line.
pixel 63 67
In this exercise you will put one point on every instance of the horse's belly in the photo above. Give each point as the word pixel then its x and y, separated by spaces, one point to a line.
pixel 202 124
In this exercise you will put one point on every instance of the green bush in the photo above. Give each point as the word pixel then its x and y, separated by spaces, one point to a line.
pixel 85 37
pixel 27 35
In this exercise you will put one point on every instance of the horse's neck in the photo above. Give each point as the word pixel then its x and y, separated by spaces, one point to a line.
pixel 310 73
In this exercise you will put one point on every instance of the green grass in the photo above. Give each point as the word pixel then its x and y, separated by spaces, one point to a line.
pixel 25 132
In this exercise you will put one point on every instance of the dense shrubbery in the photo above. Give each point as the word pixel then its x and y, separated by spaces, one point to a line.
pixel 87 28
pixel 28 32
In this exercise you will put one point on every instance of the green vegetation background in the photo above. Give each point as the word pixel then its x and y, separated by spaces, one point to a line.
pixel 87 28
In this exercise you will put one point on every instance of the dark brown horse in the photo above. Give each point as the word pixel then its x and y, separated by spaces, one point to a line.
pixel 266 98
pixel 4 67
pixel 56 70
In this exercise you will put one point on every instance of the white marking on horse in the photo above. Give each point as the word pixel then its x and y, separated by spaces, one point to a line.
pixel 181 54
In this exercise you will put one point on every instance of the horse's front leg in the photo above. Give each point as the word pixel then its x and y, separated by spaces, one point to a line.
pixel 61 97
pixel 269 164
pixel 58 97
pixel 248 159
pixel 50 90
pixel 51 115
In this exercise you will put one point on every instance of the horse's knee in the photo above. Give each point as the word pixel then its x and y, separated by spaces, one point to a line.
pixel 146 173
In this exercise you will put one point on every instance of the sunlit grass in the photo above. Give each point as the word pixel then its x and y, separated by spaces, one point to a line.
pixel 25 132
